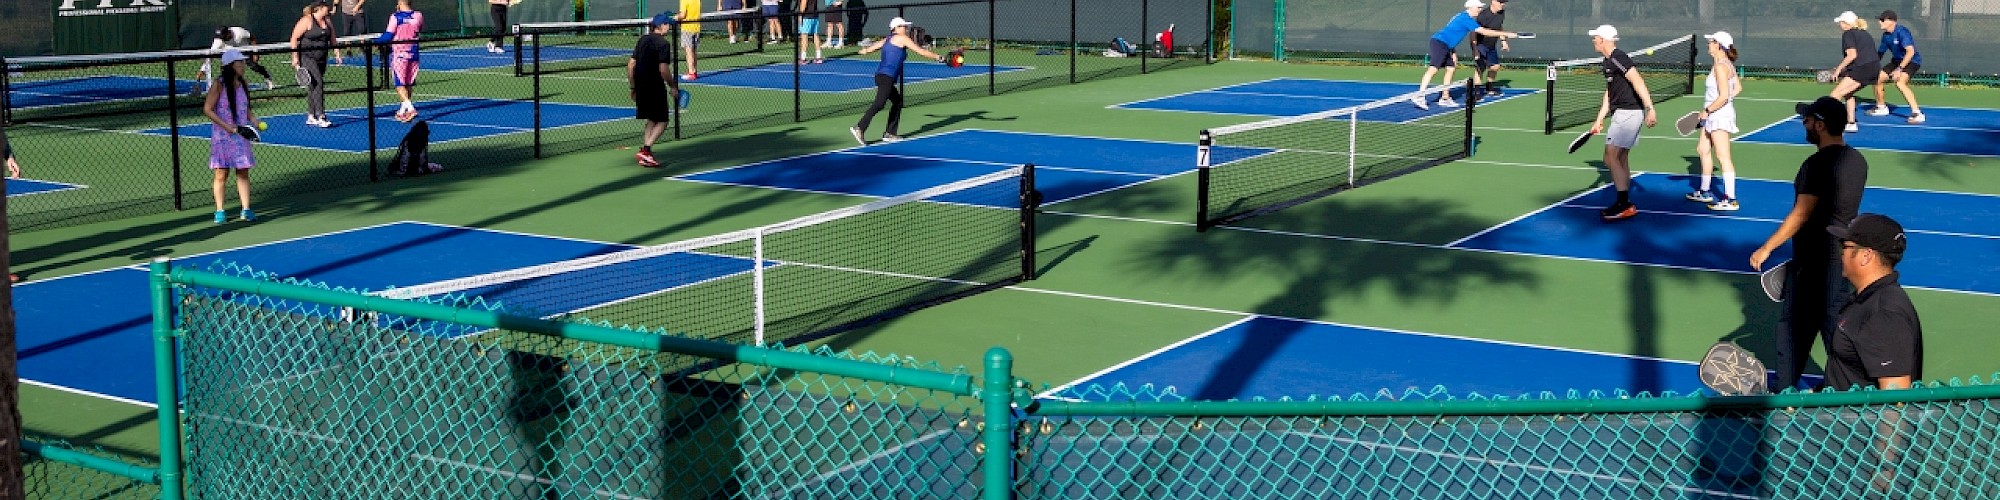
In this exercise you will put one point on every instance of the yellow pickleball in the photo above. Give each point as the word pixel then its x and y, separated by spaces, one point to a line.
pixel 263 126
pixel 1649 52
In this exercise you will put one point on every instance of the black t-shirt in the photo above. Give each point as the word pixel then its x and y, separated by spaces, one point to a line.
pixel 652 51
pixel 1878 336
pixel 1623 95
pixel 1836 175
pixel 1865 56
pixel 6 149
pixel 1490 20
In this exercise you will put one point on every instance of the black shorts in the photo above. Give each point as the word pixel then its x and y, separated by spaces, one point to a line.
pixel 1863 75
pixel 653 104
pixel 1485 56
pixel 1441 54
pixel 1912 68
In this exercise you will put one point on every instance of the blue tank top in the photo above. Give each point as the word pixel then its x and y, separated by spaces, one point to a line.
pixel 892 60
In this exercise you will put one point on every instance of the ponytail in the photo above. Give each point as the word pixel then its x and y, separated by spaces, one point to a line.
pixel 1731 52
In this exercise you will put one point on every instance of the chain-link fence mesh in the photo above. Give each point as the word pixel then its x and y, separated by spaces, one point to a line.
pixel 1776 37
pixel 1428 445
pixel 288 398
pixel 51 471
pixel 295 389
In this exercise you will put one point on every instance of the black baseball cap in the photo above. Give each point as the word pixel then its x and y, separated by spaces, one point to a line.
pixel 1887 15
pixel 1827 110
pixel 1875 231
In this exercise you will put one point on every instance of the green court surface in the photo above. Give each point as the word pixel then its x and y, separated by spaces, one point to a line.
pixel 1123 273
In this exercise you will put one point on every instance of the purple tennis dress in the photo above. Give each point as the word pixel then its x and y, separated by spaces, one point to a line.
pixel 226 148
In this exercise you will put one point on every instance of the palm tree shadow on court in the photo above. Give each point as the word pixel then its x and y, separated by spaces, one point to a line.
pixel 1320 273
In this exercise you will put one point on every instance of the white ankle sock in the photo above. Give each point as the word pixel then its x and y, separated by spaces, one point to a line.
pixel 1729 185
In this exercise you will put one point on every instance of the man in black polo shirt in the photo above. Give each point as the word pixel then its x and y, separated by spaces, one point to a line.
pixel 1486 49
pixel 1878 342
pixel 1828 192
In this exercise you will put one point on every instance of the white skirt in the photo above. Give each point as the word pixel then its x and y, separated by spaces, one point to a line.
pixel 1723 120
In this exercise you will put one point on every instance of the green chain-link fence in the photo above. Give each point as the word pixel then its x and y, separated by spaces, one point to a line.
pixel 296 390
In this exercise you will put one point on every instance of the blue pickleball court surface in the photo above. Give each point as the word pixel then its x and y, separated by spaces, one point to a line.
pixel 1066 167
pixel 1300 96
pixel 451 119
pixel 25 94
pixel 1271 357
pixel 464 58
pixel 1952 236
pixel 835 75
pixel 1957 131
pixel 92 332
pixel 24 187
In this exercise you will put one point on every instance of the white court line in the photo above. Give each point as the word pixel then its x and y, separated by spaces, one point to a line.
pixel 1538 211
pixel 1188 93
pixel 1149 355
pixel 1184 307
pixel 1727 216
pixel 865 460
pixel 1506 463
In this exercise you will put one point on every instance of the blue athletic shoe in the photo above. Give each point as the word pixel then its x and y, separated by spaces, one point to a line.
pixel 247 215
pixel 221 216
pixel 1701 197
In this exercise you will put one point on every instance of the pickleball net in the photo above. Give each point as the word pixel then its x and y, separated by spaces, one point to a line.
pixel 1256 168
pixel 1576 86
pixel 792 281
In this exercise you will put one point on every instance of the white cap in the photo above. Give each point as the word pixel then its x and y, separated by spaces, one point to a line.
pixel 1847 17
pixel 231 55
pixel 898 23
pixel 1606 32
pixel 1722 37
pixel 1473 3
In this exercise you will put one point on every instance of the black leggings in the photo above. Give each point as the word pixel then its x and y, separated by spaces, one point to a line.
pixel 499 22
pixel 315 69
pixel 885 92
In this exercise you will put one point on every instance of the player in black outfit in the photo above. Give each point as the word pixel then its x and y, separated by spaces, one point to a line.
pixel 1486 49
pixel 1878 342
pixel 1859 65
pixel 650 72
pixel 1828 192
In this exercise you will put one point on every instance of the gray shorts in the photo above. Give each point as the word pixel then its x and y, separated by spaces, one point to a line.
pixel 690 38
pixel 1623 132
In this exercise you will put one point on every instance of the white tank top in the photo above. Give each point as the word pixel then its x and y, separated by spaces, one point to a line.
pixel 1713 92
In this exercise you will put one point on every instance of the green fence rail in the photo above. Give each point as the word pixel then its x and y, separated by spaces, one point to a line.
pixel 293 389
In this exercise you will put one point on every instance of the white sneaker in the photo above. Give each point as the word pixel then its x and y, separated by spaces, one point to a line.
pixel 1447 102
pixel 732 39
pixel 1419 101
pixel 324 123
pixel 1725 205
pixel 891 138
pixel 856 132
pixel 312 122
pixel 1916 118
pixel 1853 127
pixel 490 47
pixel 1879 111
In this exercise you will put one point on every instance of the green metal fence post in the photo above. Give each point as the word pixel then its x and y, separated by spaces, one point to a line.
pixel 997 432
pixel 1278 31
pixel 166 380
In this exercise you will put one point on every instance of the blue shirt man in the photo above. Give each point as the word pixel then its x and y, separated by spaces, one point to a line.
pixel 1442 55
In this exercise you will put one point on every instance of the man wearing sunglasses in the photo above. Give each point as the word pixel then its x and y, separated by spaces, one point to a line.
pixel 1827 192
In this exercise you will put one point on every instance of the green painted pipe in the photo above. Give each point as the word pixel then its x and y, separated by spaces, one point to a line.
pixel 121 469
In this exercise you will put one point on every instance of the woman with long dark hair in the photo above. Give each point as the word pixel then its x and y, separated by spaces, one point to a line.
pixel 228 111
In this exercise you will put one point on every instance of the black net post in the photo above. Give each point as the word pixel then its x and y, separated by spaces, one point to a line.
pixel 1031 202
pixel 798 94
pixel 1549 103
pixel 674 63
pixel 1471 101
pixel 1694 45
pixel 1144 29
pixel 537 89
pixel 992 50
pixel 517 51
pixel 174 134
pixel 374 157
pixel 1201 176
pixel 1072 41
pixel 6 89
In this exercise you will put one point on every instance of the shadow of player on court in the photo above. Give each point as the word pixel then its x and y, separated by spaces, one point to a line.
pixel 950 121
